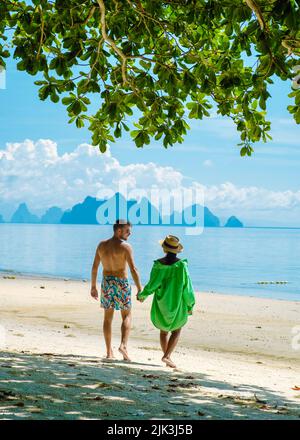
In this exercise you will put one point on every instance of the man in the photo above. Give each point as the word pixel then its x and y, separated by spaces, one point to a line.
pixel 115 254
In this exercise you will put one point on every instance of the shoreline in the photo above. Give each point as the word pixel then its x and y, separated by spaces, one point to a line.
pixel 162 224
pixel 36 276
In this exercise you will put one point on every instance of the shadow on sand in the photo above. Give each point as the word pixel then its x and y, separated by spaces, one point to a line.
pixel 48 386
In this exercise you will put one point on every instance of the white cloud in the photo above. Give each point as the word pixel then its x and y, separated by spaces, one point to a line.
pixel 36 173
pixel 229 196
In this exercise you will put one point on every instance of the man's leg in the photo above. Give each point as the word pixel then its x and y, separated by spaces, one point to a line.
pixel 125 329
pixel 164 341
pixel 171 345
pixel 108 317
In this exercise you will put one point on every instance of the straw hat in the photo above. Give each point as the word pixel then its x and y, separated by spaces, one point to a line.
pixel 171 244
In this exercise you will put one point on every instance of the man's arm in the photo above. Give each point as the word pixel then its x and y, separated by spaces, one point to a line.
pixel 132 267
pixel 94 291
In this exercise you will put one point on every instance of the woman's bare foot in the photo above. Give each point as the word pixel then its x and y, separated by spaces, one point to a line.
pixel 123 350
pixel 168 362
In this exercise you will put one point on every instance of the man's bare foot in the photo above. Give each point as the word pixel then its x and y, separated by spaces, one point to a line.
pixel 123 350
pixel 110 355
pixel 168 362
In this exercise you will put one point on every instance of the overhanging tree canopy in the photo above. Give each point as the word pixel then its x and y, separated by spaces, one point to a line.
pixel 171 60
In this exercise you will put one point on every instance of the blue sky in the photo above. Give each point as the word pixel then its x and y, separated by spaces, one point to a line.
pixel 209 156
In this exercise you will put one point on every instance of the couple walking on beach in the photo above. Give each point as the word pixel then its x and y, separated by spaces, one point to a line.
pixel 169 281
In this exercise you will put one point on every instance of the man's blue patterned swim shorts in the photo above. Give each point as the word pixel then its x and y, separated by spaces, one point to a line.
pixel 115 293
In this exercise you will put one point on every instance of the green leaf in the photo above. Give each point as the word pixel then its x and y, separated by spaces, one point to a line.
pixel 262 103
pixel 54 97
pixel 67 100
pixel 102 146
pixel 79 122
pixel 44 92
pixel 198 59
pixel 117 132
pixel 145 65
pixel 74 108
pixel 125 126
pixel 243 151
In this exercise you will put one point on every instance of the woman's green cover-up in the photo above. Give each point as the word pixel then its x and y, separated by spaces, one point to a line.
pixel 173 294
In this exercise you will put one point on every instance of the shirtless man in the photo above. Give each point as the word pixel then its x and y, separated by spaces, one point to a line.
pixel 115 254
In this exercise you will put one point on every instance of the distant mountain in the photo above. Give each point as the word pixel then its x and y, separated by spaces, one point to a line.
pixel 94 211
pixel 83 213
pixel 184 218
pixel 141 212
pixel 210 220
pixel 1 219
pixel 233 222
pixel 23 215
pixel 52 215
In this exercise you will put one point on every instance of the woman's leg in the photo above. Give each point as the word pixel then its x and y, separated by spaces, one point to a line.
pixel 174 338
pixel 164 341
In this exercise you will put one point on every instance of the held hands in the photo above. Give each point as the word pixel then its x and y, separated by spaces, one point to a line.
pixel 137 296
pixel 94 293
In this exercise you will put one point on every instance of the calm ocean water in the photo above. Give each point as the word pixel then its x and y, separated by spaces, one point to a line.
pixel 222 260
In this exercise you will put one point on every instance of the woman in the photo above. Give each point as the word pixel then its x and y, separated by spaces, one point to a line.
pixel 173 296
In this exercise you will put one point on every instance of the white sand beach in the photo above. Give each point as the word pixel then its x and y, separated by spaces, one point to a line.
pixel 235 358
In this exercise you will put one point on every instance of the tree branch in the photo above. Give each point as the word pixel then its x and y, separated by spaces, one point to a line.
pixel 289 44
pixel 91 13
pixel 97 58
pixel 256 9
pixel 42 33
pixel 292 45
pixel 111 42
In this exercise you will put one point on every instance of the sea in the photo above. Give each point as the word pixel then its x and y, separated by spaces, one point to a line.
pixel 259 262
